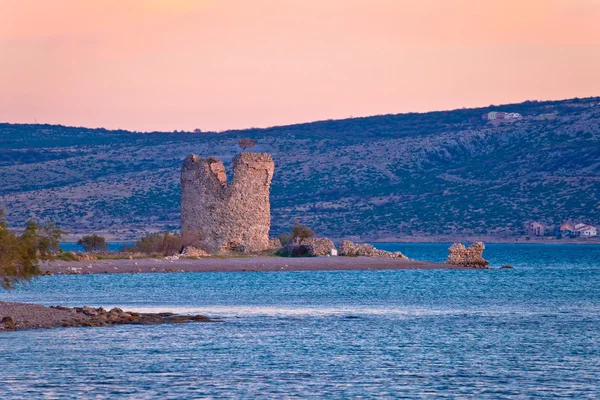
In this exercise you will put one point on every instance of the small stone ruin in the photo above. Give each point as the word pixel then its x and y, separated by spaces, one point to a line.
pixel 348 248
pixel 468 257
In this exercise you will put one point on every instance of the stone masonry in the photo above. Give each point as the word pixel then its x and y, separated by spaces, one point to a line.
pixel 350 249
pixel 221 217
pixel 470 257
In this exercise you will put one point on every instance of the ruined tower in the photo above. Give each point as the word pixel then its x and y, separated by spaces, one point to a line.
pixel 218 216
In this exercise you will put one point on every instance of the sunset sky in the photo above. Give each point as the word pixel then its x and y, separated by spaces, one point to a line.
pixel 218 64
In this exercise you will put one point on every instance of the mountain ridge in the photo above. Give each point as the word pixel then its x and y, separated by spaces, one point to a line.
pixel 441 173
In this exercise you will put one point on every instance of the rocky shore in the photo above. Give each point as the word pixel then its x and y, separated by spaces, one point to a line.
pixel 23 316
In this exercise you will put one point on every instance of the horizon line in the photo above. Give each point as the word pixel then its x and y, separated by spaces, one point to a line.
pixel 309 122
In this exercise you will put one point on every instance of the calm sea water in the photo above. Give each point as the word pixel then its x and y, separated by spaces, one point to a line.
pixel 112 246
pixel 533 331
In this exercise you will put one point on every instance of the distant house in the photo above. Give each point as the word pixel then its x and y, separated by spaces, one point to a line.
pixel 535 228
pixel 513 116
pixel 567 228
pixel 585 230
pixel 578 229
pixel 494 115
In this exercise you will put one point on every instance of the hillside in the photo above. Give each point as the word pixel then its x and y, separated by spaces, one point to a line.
pixel 390 176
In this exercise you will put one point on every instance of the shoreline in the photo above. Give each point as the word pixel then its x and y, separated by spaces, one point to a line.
pixel 549 241
pixel 72 239
pixel 249 264
pixel 26 316
pixel 29 316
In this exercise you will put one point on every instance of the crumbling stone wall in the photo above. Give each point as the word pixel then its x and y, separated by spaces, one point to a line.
pixel 470 257
pixel 217 216
pixel 350 249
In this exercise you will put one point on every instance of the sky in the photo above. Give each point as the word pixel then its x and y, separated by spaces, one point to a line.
pixel 168 65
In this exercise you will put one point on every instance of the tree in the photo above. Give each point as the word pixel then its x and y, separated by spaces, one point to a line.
pixel 299 232
pixel 10 257
pixel 302 231
pixel 29 245
pixel 19 255
pixel 49 236
pixel 244 143
pixel 92 243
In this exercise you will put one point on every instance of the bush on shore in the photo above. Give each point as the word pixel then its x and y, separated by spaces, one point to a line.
pixel 165 243
pixel 66 256
pixel 299 231
pixel 93 243
pixel 20 254
pixel 292 242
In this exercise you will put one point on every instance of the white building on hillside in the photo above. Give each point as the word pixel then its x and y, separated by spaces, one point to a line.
pixel 495 115
pixel 586 230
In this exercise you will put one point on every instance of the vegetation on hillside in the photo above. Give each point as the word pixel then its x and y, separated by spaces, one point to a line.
pixel 439 173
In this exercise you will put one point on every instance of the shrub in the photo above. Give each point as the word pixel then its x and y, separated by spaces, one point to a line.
pixel 299 231
pixel 20 255
pixel 66 256
pixel 302 231
pixel 245 143
pixel 165 243
pixel 285 238
pixel 91 243
pixel 291 242
pixel 296 250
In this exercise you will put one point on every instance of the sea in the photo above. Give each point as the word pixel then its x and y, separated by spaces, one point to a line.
pixel 532 331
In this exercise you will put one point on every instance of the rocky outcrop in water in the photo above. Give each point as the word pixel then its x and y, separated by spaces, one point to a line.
pixel 21 316
pixel 350 249
pixel 469 257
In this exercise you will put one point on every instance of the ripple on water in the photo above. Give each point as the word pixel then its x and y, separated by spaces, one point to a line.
pixel 530 332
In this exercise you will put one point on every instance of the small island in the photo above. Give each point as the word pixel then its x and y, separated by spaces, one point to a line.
pixel 224 228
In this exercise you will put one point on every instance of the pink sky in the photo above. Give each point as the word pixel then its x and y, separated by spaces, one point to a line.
pixel 218 64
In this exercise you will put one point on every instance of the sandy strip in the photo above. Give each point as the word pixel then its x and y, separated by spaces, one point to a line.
pixel 250 264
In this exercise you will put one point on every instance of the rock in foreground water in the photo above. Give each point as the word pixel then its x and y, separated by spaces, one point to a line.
pixel 22 316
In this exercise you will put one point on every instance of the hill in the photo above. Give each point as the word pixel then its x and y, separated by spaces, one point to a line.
pixel 391 176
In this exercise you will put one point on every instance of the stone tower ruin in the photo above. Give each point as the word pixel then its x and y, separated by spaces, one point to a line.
pixel 217 216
